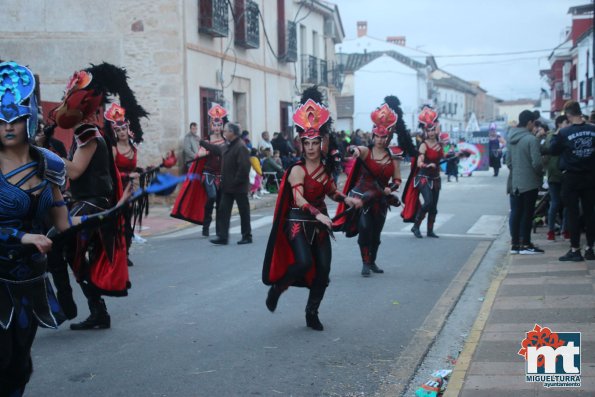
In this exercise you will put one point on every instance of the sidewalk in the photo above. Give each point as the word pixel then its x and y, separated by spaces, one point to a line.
pixel 159 222
pixel 532 289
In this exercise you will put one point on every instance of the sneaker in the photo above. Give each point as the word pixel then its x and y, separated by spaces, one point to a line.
pixel 514 249
pixel 138 239
pixel 589 254
pixel 530 249
pixel 566 235
pixel 572 256
pixel 551 236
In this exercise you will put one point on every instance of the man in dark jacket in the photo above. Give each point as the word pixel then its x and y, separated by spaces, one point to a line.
pixel 526 168
pixel 576 146
pixel 235 184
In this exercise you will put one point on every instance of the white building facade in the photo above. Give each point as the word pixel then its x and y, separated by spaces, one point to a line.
pixel 183 55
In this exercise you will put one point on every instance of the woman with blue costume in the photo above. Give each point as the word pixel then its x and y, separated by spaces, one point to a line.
pixel 30 180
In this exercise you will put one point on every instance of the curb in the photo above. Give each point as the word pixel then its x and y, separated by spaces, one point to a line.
pixel 414 353
pixel 457 379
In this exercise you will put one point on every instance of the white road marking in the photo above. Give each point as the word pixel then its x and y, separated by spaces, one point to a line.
pixel 265 220
pixel 487 225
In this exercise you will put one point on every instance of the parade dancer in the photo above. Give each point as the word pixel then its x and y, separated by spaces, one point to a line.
pixel 98 258
pixel 30 181
pixel 199 196
pixel 424 178
pixel 369 181
pixel 299 251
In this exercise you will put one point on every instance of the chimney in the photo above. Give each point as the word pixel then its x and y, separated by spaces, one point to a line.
pixel 362 28
pixel 398 40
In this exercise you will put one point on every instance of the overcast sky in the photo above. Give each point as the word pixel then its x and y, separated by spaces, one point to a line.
pixel 460 27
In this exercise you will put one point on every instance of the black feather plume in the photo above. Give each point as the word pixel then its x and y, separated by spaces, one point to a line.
pixel 403 137
pixel 112 80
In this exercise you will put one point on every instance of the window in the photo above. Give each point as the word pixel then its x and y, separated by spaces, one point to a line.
pixel 247 29
pixel 212 18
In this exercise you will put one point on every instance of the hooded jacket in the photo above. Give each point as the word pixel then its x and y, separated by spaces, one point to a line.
pixel 524 160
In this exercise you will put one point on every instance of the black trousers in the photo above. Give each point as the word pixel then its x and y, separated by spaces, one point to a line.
pixel 15 356
pixel 522 207
pixel 370 225
pixel 579 188
pixel 430 205
pixel 304 251
pixel 224 214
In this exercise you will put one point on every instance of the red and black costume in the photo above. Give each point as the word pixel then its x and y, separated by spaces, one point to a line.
pixel 424 179
pixel 299 251
pixel 201 193
pixel 98 258
pixel 367 181
pixel 126 163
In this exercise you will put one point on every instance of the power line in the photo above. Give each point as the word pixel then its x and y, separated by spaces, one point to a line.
pixel 492 62
pixel 493 54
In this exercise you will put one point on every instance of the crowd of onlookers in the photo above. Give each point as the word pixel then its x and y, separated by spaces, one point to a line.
pixel 566 155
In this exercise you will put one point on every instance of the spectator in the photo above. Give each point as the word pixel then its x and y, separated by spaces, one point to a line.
pixel 495 149
pixel 576 146
pixel 191 145
pixel 44 138
pixel 235 184
pixel 277 158
pixel 246 139
pixel 265 143
pixel 554 179
pixel 255 174
pixel 524 161
pixel 270 165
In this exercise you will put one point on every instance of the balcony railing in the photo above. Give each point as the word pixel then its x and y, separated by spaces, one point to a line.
pixel 288 42
pixel 212 18
pixel 337 75
pixel 247 33
pixel 314 70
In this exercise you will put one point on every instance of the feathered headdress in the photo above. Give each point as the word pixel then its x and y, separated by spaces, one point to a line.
pixel 89 89
pixel 116 114
pixel 312 119
pixel 218 115
pixel 17 95
pixel 428 118
pixel 383 118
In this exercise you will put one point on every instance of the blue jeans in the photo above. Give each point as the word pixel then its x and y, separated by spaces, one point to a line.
pixel 555 192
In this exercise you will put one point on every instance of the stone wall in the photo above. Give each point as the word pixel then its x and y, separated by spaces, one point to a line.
pixel 57 37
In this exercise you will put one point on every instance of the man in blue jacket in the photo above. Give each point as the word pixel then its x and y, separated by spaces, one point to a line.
pixel 576 146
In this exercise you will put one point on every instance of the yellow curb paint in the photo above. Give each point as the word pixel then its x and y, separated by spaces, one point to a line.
pixel 413 354
pixel 457 378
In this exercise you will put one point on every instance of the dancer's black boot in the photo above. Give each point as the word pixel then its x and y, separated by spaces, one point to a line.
pixel 431 220
pixel 312 306
pixel 273 297
pixel 373 254
pixel 98 319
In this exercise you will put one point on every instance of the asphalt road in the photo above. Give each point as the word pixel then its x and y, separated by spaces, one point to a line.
pixel 195 323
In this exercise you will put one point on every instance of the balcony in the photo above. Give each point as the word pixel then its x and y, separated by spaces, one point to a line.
pixel 287 39
pixel 212 18
pixel 314 71
pixel 247 32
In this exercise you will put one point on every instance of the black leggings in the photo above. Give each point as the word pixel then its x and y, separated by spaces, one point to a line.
pixel 319 251
pixel 430 205
pixel 369 227
pixel 15 356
